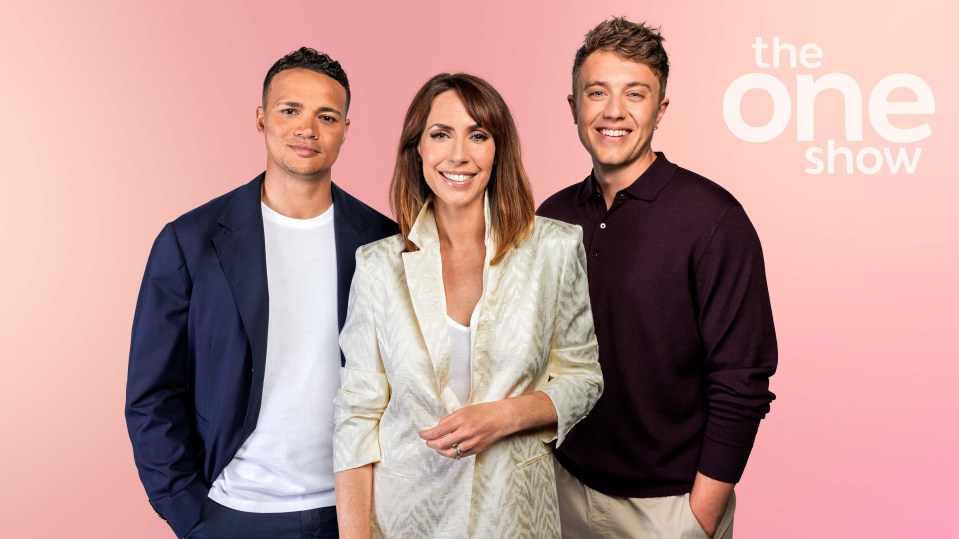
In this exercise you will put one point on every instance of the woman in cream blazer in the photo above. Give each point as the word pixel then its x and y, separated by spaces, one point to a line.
pixel 413 459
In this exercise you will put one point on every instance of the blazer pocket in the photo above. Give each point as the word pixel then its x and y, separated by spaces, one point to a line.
pixel 533 460
pixel 391 472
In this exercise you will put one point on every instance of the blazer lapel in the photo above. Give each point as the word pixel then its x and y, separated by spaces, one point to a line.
pixel 480 362
pixel 242 252
pixel 349 229
pixel 424 278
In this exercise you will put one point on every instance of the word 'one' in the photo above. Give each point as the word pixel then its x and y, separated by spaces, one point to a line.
pixel 807 88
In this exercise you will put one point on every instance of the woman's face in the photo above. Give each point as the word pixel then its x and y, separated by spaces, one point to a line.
pixel 457 154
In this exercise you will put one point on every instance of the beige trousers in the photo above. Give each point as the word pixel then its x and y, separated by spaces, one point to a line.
pixel 586 513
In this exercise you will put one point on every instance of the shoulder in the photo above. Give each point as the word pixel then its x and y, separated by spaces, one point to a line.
pixel 359 211
pixel 550 236
pixel 385 251
pixel 206 216
pixel 699 193
pixel 719 218
pixel 560 201
pixel 548 229
pixel 205 213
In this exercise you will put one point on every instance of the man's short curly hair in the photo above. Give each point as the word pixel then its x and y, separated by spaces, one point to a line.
pixel 307 58
pixel 630 41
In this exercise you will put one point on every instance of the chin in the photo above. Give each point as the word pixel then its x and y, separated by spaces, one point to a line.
pixel 305 173
pixel 457 202
pixel 611 161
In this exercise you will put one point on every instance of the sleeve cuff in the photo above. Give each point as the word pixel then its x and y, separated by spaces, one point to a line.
pixel 183 510
pixel 722 462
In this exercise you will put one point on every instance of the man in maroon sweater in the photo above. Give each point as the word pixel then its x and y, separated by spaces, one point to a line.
pixel 679 297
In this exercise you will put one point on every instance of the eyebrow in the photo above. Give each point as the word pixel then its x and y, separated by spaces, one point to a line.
pixel 298 105
pixel 605 84
pixel 448 128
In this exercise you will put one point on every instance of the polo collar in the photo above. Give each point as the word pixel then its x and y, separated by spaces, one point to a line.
pixel 647 187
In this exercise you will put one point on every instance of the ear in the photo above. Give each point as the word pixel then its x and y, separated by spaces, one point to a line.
pixel 260 115
pixel 662 110
pixel 346 129
pixel 572 106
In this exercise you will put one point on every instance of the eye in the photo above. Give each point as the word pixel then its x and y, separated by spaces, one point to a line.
pixel 288 112
pixel 327 118
pixel 596 93
pixel 479 137
pixel 635 95
pixel 438 135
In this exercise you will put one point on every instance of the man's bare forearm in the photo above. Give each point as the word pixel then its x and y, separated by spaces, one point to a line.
pixel 708 501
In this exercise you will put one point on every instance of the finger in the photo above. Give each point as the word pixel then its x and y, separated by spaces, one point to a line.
pixel 470 447
pixel 453 453
pixel 443 442
pixel 445 426
pixel 431 433
pixel 448 453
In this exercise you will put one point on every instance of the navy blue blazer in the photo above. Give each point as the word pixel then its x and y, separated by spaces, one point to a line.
pixel 198 351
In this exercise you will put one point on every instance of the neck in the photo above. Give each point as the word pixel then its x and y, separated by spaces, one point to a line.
pixel 298 198
pixel 612 179
pixel 460 226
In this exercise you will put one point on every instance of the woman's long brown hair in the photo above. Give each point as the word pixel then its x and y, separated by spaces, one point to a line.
pixel 509 191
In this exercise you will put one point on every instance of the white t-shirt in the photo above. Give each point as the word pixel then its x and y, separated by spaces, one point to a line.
pixel 287 463
pixel 461 353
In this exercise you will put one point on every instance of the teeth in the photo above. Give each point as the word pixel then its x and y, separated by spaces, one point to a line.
pixel 456 177
pixel 614 132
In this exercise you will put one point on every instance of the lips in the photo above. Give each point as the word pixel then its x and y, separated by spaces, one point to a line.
pixel 613 133
pixel 458 177
pixel 303 151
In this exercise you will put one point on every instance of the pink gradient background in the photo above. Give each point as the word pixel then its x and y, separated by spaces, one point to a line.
pixel 119 118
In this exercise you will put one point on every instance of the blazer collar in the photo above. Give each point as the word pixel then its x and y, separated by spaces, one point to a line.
pixel 349 211
pixel 243 205
pixel 425 234
pixel 351 221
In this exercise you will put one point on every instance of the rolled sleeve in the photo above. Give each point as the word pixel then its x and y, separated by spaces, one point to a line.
pixel 737 330
pixel 575 381
pixel 364 387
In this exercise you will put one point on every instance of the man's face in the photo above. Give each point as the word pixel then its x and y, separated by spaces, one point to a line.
pixel 304 124
pixel 615 107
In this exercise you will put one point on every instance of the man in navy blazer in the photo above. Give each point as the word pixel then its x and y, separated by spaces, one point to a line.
pixel 233 360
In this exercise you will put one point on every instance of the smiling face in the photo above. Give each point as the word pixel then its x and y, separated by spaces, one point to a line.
pixel 616 107
pixel 303 122
pixel 457 153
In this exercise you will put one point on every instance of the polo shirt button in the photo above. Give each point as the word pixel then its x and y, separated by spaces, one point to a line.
pixel 620 195
pixel 595 254
pixel 602 225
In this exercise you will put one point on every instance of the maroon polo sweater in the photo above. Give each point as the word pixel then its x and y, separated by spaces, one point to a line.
pixel 685 331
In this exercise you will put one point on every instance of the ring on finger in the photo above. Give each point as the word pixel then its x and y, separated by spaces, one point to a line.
pixel 459 452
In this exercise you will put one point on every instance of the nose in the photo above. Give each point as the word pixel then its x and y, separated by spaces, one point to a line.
pixel 458 152
pixel 614 109
pixel 306 127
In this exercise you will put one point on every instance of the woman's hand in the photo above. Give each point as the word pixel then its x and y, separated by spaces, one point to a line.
pixel 474 429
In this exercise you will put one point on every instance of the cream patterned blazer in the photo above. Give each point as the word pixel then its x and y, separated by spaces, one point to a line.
pixel 534 332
